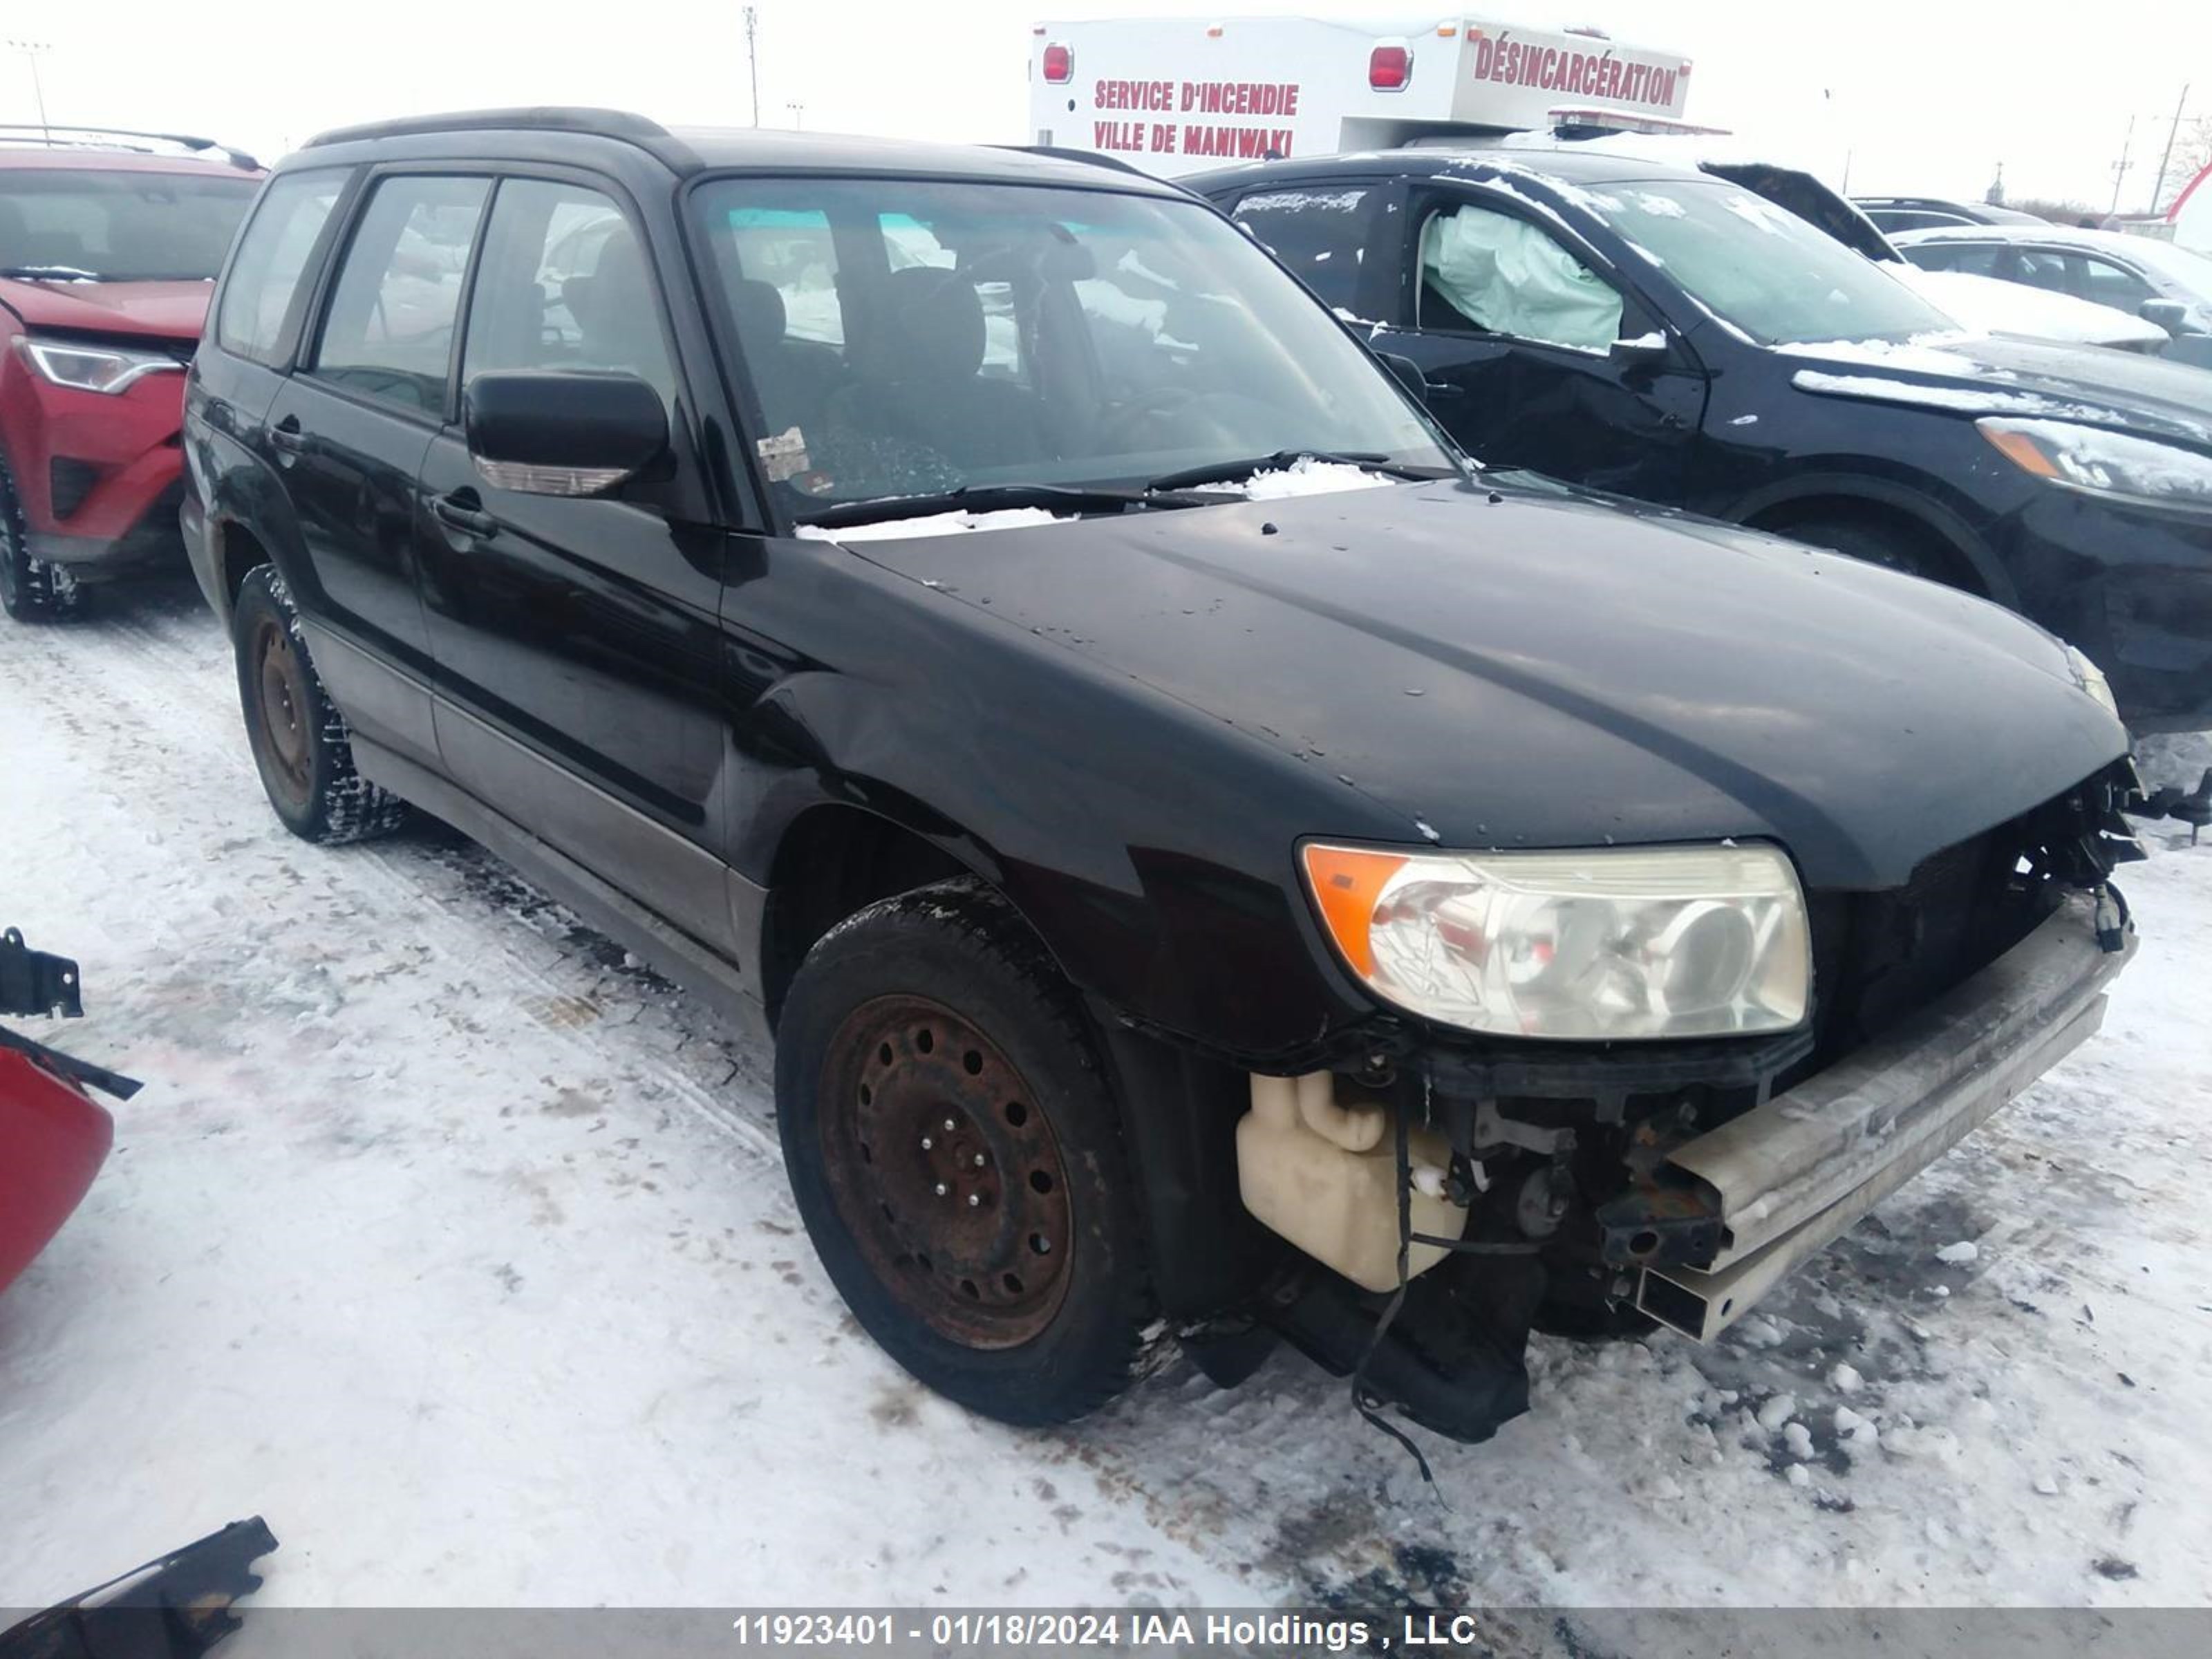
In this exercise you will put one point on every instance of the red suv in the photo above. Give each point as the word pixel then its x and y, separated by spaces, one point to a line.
pixel 108 247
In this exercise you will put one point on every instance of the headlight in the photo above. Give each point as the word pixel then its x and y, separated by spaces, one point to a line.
pixel 94 369
pixel 1615 942
pixel 2103 462
pixel 2091 678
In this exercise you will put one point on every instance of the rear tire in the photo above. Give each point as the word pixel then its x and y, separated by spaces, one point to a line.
pixel 998 1259
pixel 302 746
pixel 31 590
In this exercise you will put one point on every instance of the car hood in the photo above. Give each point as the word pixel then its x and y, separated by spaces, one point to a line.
pixel 167 311
pixel 1532 666
pixel 1976 375
pixel 1985 305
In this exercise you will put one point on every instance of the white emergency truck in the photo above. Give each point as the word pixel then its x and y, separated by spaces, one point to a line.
pixel 1172 96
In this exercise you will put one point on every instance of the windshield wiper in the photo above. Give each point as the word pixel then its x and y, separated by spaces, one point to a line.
pixel 994 498
pixel 49 274
pixel 1368 460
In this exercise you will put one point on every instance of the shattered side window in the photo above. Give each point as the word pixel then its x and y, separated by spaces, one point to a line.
pixel 1501 275
pixel 1321 235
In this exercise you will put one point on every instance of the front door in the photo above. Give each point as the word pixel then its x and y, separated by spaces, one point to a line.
pixel 349 433
pixel 575 638
pixel 1537 355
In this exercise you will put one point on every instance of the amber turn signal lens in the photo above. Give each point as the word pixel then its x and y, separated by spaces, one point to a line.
pixel 2022 451
pixel 1346 881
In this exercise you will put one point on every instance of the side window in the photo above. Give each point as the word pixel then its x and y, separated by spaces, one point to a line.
pixel 1490 273
pixel 388 332
pixel 563 283
pixel 2042 268
pixel 258 293
pixel 1322 235
pixel 2117 285
pixel 1974 257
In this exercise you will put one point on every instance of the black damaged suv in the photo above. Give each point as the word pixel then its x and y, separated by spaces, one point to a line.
pixel 1213 866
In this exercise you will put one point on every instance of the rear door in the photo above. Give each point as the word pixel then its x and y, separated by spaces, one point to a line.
pixel 575 638
pixel 348 433
pixel 1514 321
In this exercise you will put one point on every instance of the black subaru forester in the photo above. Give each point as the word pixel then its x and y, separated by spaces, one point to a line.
pixel 1215 867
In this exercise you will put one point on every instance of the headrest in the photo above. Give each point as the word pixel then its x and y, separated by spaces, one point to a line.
pixel 930 329
pixel 757 307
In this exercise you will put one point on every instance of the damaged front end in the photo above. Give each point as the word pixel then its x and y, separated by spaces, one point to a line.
pixel 1461 1193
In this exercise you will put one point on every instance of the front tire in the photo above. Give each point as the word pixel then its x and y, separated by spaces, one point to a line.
pixel 954 1149
pixel 31 590
pixel 302 746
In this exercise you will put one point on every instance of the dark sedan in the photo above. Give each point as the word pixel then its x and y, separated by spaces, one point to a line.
pixel 1667 334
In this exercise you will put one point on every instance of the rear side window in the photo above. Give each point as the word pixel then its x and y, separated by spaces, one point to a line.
pixel 563 284
pixel 389 331
pixel 264 277
pixel 1319 234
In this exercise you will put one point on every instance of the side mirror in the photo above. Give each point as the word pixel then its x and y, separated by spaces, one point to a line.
pixel 2172 315
pixel 1406 373
pixel 572 434
pixel 1644 351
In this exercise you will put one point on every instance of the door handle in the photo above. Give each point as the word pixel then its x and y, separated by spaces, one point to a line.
pixel 456 512
pixel 288 437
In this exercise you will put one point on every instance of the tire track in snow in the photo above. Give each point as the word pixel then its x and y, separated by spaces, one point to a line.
pixel 159 645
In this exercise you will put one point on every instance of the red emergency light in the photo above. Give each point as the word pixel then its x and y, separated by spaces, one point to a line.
pixel 1390 69
pixel 1059 64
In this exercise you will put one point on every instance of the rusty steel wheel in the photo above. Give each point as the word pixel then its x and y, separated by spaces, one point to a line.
pixel 945 1172
pixel 283 740
pixel 954 1146
pixel 302 746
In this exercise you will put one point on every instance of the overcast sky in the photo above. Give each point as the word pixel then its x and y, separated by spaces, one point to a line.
pixel 1927 96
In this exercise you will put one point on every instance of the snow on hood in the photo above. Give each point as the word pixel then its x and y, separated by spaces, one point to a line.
pixel 1988 306
pixel 936 524
pixel 1964 400
pixel 1923 352
pixel 1304 476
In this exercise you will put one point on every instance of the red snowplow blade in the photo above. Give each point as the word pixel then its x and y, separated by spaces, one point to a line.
pixel 53 1139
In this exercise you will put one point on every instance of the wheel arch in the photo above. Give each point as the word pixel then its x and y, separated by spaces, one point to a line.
pixel 833 859
pixel 1178 1108
pixel 238 551
pixel 1821 496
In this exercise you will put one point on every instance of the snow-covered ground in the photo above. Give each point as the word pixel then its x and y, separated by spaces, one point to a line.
pixel 461 1251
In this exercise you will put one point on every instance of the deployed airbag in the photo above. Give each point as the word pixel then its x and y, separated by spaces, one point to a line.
pixel 1509 277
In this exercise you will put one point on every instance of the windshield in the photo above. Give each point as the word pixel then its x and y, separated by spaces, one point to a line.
pixel 909 337
pixel 1763 268
pixel 122 226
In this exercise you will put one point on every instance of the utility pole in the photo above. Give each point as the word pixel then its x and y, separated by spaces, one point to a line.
pixel 797 115
pixel 32 51
pixel 2120 167
pixel 752 55
pixel 2158 185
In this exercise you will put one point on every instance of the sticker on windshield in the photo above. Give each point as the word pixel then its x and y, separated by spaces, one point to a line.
pixel 783 456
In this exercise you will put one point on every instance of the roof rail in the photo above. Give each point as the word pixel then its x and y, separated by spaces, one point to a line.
pixel 540 118
pixel 91 137
pixel 1089 157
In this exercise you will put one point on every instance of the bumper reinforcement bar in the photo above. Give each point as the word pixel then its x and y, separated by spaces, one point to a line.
pixel 1790 1177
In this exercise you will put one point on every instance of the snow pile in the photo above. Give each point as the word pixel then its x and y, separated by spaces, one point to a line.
pixel 1306 476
